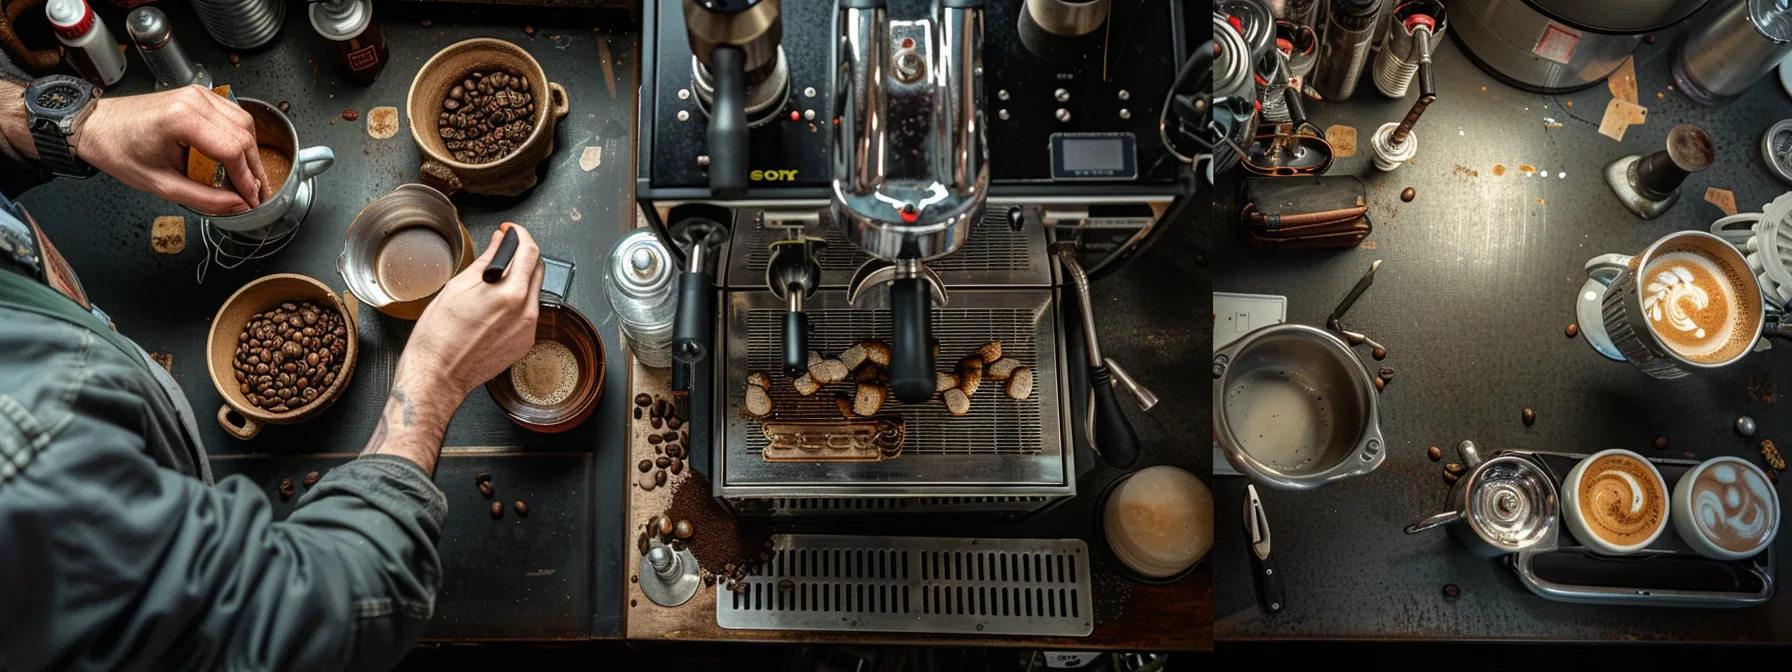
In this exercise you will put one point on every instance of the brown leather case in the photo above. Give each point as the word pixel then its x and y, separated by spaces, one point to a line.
pixel 1305 212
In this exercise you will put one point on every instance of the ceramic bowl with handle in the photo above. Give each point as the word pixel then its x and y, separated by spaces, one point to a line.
pixel 237 416
pixel 508 176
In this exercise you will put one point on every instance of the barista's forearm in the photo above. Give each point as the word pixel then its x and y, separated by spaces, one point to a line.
pixel 414 420
pixel 15 125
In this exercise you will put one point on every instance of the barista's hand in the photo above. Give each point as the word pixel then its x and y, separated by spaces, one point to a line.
pixel 473 330
pixel 142 141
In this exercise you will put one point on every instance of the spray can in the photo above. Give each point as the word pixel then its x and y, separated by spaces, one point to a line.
pixel 149 30
pixel 91 48
pixel 1344 49
pixel 643 295
pixel 358 49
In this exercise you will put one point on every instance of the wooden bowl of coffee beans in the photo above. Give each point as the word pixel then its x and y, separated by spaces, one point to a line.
pixel 281 350
pixel 483 113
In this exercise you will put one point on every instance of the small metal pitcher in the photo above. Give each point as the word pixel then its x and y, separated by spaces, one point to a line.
pixel 1502 505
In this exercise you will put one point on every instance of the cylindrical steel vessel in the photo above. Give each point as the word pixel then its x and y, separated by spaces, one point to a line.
pixel 241 24
pixel 1722 55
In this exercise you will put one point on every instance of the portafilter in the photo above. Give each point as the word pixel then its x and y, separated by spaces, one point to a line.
pixel 911 196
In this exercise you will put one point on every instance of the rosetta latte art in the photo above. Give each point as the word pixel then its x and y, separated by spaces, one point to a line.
pixel 1733 507
pixel 1673 296
pixel 1621 501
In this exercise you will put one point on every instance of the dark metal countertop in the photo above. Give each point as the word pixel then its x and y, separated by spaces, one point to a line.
pixel 543 577
pixel 1477 287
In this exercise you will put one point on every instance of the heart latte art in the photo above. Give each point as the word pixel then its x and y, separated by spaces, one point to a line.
pixel 1621 500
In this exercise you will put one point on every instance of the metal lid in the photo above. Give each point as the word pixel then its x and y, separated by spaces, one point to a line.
pixel 639 265
pixel 1776 149
pixel 1511 503
pixel 341 20
pixel 1772 18
pixel 147 26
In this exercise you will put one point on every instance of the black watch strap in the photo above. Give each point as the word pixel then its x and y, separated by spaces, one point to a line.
pixel 53 150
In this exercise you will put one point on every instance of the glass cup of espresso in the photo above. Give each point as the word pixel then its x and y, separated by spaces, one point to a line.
pixel 1726 509
pixel 1615 502
pixel 1688 302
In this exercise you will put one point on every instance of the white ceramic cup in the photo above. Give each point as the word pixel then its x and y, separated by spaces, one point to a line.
pixel 1686 517
pixel 1571 505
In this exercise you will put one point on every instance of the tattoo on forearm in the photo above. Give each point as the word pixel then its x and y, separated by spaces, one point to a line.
pixel 404 407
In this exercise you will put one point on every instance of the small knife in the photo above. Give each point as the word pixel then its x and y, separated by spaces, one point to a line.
pixel 1269 583
pixel 1362 284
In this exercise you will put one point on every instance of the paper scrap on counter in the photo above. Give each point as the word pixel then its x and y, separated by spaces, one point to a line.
pixel 1724 199
pixel 1343 140
pixel 168 235
pixel 591 158
pixel 1619 116
pixel 1623 81
pixel 382 122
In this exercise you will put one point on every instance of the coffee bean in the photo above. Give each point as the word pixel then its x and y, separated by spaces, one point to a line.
pixel 1451 478
pixel 657 423
pixel 637 413
pixel 1408 193
pixel 1434 453
pixel 659 408
pixel 457 93
pixel 677 467
pixel 1661 442
pixel 1530 417
pixel 350 115
pixel 670 436
pixel 486 490
pixel 482 477
pixel 285 106
pixel 1379 353
pixel 1380 384
pixel 1454 468
pixel 1572 330
pixel 311 479
pixel 663 526
pixel 641 543
pixel 522 509
pixel 659 478
pixel 497 510
pixel 663 462
pixel 644 466
pixel 674 451
pixel 655 438
pixel 1386 374
pixel 286 488
pixel 642 399
pixel 673 423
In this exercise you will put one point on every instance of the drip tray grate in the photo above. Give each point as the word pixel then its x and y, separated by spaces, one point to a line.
pixel 1032 587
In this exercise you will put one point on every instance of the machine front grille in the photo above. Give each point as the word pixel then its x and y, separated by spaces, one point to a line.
pixel 996 425
pixel 917 584
pixel 993 246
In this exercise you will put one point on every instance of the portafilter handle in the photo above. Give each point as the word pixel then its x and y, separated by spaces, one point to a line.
pixel 792 275
pixel 914 290
pixel 699 228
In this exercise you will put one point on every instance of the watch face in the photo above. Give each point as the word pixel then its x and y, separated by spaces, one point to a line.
pixel 60 96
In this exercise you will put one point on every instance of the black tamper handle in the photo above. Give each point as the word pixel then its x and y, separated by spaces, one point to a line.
pixel 912 378
pixel 796 342
pixel 690 327
pixel 1114 437
pixel 728 123
pixel 501 259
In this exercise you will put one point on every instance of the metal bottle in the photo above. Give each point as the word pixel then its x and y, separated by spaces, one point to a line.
pixel 1721 57
pixel 1344 49
pixel 154 38
pixel 358 50
pixel 643 295
pixel 241 24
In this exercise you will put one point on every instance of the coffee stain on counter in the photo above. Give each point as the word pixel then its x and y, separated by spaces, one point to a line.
pixel 1465 171
pixel 1499 169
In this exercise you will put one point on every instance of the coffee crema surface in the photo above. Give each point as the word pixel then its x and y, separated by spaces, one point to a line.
pixel 1734 507
pixel 548 375
pixel 1621 500
pixel 1692 303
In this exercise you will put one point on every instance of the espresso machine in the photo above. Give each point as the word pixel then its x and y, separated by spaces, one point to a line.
pixel 934 174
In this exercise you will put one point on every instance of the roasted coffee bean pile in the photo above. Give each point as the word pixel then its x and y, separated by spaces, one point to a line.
pixel 726 550
pixel 288 356
pixel 668 438
pixel 487 116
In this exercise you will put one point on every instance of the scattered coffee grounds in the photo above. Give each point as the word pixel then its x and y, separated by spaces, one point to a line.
pixel 1452 591
pixel 497 510
pixel 1760 387
pixel 168 235
pixel 287 357
pixel 1408 194
pixel 350 114
pixel 1112 592
pixel 1530 417
pixel 1380 354
pixel 311 479
pixel 486 490
pixel 1434 453
pixel 1661 442
pixel 286 488
pixel 382 122
pixel 1572 330
pixel 719 543
pixel 487 116
pixel 164 360
pixel 522 508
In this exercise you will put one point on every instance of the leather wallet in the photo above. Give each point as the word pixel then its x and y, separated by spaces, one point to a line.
pixel 1305 212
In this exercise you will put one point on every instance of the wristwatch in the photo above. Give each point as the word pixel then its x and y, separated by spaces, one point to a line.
pixel 56 106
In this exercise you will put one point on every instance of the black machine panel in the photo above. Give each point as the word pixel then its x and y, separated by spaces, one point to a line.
pixel 1113 81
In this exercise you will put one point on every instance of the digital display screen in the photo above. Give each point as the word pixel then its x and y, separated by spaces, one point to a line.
pixel 1103 154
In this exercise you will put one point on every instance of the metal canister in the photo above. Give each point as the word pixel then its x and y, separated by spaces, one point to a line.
pixel 1725 54
pixel 643 295
pixel 1344 48
pixel 154 37
pixel 241 24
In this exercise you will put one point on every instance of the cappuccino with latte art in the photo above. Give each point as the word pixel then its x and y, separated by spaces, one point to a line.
pixel 1615 502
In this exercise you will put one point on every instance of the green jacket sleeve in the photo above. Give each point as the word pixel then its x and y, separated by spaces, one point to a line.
pixel 111 562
